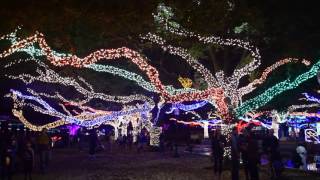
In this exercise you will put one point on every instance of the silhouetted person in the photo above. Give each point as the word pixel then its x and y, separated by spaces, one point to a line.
pixel 253 156
pixel 218 144
pixel 130 140
pixel 13 153
pixel 142 141
pixel 5 155
pixel 44 148
pixel 270 144
pixel 271 149
pixel 235 154
pixel 243 145
pixel 93 139
pixel 28 160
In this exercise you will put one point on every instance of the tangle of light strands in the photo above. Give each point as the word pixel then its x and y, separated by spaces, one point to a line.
pixel 34 51
pixel 177 30
pixel 29 48
pixel 136 78
pixel 46 108
pixel 19 114
pixel 234 93
pixel 87 119
pixel 95 113
pixel 183 53
pixel 275 90
pixel 135 57
pixel 252 86
pixel 164 18
pixel 49 76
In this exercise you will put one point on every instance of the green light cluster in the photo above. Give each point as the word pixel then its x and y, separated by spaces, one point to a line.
pixel 277 89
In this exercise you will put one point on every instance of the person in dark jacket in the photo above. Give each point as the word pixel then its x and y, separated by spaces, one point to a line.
pixel 243 146
pixel 93 139
pixel 271 148
pixel 218 144
pixel 253 156
pixel 270 144
pixel 235 154
pixel 28 160
pixel 43 142
pixel 5 155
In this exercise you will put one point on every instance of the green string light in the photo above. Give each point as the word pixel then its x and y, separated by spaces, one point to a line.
pixel 277 89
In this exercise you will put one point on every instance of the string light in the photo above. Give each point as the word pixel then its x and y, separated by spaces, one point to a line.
pixel 50 76
pixel 303 106
pixel 135 57
pixel 250 87
pixel 91 120
pixel 87 119
pixel 32 127
pixel 230 84
pixel 275 90
pixel 198 122
pixel 305 114
pixel 227 87
pixel 311 98
pixel 34 51
pixel 184 107
pixel 135 77
pixel 183 53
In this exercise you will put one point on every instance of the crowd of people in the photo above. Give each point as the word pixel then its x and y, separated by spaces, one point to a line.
pixel 27 150
pixel 246 149
pixel 20 150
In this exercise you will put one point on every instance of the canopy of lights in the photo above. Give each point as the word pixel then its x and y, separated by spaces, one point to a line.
pixel 223 94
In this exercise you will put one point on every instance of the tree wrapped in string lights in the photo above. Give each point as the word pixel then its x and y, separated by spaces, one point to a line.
pixel 223 90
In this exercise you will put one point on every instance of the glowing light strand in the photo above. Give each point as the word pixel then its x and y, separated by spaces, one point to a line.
pixel 135 57
pixel 250 87
pixel 311 98
pixel 275 90
pixel 50 76
pixel 88 120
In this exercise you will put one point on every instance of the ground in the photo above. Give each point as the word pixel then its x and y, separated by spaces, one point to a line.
pixel 119 164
